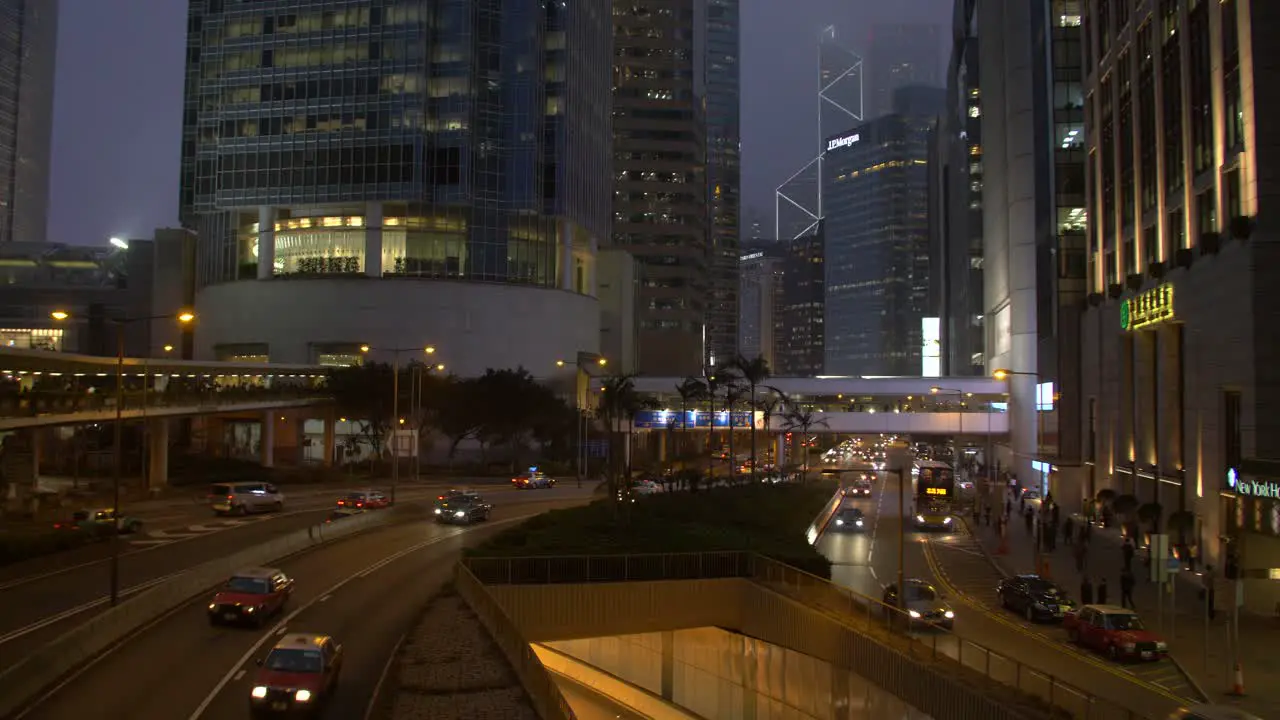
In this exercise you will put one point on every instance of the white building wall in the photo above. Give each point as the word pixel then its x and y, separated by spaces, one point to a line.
pixel 474 326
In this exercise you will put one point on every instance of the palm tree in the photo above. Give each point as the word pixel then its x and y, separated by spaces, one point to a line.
pixel 754 372
pixel 691 390
pixel 711 386
pixel 769 406
pixel 803 420
pixel 733 394
pixel 725 380
pixel 619 402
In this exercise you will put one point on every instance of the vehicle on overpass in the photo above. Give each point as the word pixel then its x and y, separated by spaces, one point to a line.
pixel 98 521
pixel 933 494
pixel 296 677
pixel 250 596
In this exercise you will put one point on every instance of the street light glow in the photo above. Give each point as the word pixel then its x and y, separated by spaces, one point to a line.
pixel 168 348
pixel 59 314
pixel 440 367
pixel 559 363
pixel 186 316
pixel 364 348
pixel 122 244
pixel 603 362
pixel 431 349
pixel 934 389
pixel 1000 374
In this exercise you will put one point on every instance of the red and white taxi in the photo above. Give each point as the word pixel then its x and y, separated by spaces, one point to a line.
pixel 250 596
pixel 297 677
pixel 1113 630
pixel 364 500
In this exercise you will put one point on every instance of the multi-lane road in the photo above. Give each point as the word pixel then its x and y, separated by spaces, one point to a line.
pixel 868 561
pixel 366 591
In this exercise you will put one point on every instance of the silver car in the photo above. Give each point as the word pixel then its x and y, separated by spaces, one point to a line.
pixel 242 498
pixel 922 602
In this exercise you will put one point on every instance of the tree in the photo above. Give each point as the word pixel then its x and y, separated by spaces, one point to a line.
pixel 458 418
pixel 769 406
pixel 511 403
pixel 733 395
pixel 803 420
pixel 618 403
pixel 754 372
pixel 691 390
pixel 363 393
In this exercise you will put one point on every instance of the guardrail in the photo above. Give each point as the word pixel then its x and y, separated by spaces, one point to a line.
pixel 543 692
pixel 22 682
pixel 824 516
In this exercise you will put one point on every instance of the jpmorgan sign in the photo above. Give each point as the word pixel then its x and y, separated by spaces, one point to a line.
pixel 845 141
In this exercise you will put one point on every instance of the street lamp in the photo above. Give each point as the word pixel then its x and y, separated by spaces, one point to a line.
pixel 185 317
pixel 582 360
pixel 395 409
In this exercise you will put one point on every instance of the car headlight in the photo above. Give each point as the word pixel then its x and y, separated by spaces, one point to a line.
pixel 950 614
pixel 438 511
pixel 250 609
pixel 946 521
pixel 259 691
pixel 839 522
pixel 920 518
pixel 913 613
pixel 859 523
pixel 213 606
pixel 459 514
pixel 302 695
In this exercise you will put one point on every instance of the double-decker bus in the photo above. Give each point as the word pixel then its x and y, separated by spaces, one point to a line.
pixel 934 492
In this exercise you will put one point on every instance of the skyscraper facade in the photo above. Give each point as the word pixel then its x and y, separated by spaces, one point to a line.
pixel 396 175
pixel 901 55
pixel 660 200
pixel 28 40
pixel 798 203
pixel 1179 342
pixel 760 297
pixel 724 176
pixel 876 228
pixel 799 334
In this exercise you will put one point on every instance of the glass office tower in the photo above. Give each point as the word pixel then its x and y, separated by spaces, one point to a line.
pixel 457 140
pixel 723 177
pixel 28 39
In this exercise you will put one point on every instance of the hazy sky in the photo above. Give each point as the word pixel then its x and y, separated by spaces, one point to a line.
pixel 117 112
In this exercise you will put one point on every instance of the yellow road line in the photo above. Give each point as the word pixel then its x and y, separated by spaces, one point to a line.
pixel 1065 649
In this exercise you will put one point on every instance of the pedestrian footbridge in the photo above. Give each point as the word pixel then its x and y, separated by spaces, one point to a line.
pixel 712 635
pixel 41 388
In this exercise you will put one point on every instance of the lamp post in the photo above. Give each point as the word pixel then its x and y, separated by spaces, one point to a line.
pixel 185 318
pixel 415 407
pixel 581 362
pixel 396 421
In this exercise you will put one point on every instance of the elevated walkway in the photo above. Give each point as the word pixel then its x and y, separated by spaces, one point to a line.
pixel 567 603
pixel 40 388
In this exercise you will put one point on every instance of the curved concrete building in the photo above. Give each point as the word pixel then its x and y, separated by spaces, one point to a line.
pixel 392 176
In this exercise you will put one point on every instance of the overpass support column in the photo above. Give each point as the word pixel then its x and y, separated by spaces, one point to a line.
pixel 330 437
pixel 266 242
pixel 267 439
pixel 157 453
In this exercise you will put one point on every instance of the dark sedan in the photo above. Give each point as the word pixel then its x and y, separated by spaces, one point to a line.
pixel 849 519
pixel 1035 597
pixel 463 511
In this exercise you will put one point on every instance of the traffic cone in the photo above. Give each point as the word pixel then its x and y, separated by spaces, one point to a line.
pixel 1237 685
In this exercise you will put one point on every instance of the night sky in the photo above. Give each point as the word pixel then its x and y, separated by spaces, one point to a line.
pixel 117 113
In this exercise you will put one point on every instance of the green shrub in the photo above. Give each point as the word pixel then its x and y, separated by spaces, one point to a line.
pixel 767 519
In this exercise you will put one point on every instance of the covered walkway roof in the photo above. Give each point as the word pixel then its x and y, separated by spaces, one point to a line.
pixel 860 386
pixel 16 361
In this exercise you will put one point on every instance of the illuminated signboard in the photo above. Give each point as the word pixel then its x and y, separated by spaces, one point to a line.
pixel 752 256
pixel 1254 488
pixel 1148 308
pixel 846 141
pixel 935 491
pixel 930 347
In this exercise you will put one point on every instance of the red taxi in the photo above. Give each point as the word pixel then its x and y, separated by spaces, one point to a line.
pixel 250 596
pixel 296 677
pixel 1113 630
pixel 365 500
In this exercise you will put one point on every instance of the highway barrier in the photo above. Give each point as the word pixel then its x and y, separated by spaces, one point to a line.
pixel 820 522
pixel 21 683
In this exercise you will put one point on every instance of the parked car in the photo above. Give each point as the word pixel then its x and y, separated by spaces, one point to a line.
pixel 365 500
pixel 250 596
pixel 922 602
pixel 297 677
pixel 100 521
pixel 1212 712
pixel 1035 597
pixel 1114 630
pixel 242 498
pixel 464 511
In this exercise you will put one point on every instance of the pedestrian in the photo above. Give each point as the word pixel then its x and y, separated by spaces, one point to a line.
pixel 1068 530
pixel 1053 510
pixel 1102 591
pixel 1022 502
pixel 1126 551
pixel 1126 589
pixel 1008 507
pixel 1082 554
pixel 1207 591
pixel 987 514
pixel 1086 591
pixel 1030 520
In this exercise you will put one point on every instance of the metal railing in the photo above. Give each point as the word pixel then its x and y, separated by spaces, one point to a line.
pixel 534 570
pixel 543 692
pixel 42 402
pixel 937 644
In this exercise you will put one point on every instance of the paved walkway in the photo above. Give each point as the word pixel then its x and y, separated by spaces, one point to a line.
pixel 1199 645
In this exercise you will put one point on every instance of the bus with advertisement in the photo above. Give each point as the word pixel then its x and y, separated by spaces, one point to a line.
pixel 933 494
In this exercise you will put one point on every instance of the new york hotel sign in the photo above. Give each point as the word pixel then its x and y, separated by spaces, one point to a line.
pixel 1152 307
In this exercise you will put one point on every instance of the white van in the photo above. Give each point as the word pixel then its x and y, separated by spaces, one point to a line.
pixel 242 498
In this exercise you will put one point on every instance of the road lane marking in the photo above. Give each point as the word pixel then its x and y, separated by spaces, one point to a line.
pixel 72 612
pixel 280 627
pixel 382 678
pixel 326 597
pixel 1064 646
pixel 238 676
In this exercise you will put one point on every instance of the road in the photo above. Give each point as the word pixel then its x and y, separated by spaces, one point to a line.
pixel 867 562
pixel 38 607
pixel 366 591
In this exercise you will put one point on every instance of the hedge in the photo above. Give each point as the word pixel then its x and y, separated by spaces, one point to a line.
pixel 768 519
pixel 26 545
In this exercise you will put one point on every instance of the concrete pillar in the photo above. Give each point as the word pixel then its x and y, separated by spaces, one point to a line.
pixel 566 255
pixel 37 455
pixel 266 242
pixel 373 239
pixel 330 437
pixel 668 639
pixel 157 453
pixel 591 288
pixel 662 446
pixel 267 439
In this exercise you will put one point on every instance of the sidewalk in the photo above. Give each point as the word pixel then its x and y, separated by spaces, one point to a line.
pixel 1204 656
